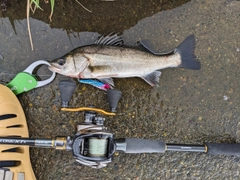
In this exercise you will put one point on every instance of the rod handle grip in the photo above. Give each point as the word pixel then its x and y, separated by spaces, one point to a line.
pixel 135 145
pixel 232 149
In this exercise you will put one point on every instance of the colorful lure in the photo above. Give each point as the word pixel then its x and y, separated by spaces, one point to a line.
pixel 95 83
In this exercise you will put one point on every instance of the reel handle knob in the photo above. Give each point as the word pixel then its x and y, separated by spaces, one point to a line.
pixel 113 96
pixel 67 88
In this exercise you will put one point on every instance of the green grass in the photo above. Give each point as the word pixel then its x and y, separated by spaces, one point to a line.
pixel 36 5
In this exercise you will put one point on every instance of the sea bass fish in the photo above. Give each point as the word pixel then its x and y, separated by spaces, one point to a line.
pixel 108 58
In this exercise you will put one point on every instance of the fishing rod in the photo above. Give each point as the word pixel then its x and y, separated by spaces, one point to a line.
pixel 94 145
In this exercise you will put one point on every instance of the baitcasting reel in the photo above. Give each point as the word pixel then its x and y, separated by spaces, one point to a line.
pixel 93 144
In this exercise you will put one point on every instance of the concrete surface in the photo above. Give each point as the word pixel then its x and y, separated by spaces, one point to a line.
pixel 187 107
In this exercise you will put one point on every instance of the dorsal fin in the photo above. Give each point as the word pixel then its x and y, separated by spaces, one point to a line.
pixel 110 40
pixel 148 46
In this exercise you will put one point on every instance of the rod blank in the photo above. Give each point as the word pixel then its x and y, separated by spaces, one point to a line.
pixel 58 142
pixel 186 147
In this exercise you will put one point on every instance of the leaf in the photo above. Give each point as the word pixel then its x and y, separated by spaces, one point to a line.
pixel 36 3
pixel 52 2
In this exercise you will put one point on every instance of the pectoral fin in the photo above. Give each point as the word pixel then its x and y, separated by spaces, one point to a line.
pixel 102 73
pixel 152 78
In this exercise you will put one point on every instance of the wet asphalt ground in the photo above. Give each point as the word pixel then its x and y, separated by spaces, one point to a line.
pixel 189 107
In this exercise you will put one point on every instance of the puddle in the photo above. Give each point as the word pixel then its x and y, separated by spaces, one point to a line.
pixel 71 27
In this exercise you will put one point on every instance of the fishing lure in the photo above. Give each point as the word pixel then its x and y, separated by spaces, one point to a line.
pixel 95 83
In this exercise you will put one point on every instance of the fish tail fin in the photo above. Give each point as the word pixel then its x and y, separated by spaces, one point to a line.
pixel 186 51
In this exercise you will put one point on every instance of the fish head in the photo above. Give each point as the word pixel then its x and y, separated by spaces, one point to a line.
pixel 68 66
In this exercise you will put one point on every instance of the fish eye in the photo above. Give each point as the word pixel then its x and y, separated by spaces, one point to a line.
pixel 61 62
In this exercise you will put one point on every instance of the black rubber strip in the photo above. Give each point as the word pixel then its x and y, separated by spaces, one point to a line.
pixel 7 116
pixel 8 163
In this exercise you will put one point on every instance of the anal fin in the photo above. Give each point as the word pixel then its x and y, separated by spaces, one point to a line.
pixel 152 78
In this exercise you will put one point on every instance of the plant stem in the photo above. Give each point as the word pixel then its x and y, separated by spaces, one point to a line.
pixel 28 24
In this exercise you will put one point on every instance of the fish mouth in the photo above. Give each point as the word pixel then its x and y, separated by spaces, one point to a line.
pixel 58 70
pixel 54 68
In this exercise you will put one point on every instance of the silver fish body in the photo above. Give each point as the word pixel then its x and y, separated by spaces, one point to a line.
pixel 103 62
pixel 123 62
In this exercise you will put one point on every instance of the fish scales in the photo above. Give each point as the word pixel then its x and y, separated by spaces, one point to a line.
pixel 125 62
